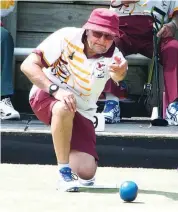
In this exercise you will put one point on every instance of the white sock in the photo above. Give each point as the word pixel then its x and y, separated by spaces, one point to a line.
pixel 62 165
pixel 110 96
pixel 86 182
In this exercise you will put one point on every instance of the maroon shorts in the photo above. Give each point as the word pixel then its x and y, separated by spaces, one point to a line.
pixel 83 133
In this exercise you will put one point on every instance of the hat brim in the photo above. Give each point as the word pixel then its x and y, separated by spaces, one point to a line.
pixel 100 28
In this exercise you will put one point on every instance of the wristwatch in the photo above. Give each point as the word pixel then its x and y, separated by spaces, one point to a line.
pixel 53 88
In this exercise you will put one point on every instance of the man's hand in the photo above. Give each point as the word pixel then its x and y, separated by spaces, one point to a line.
pixel 129 2
pixel 168 30
pixel 67 98
pixel 118 69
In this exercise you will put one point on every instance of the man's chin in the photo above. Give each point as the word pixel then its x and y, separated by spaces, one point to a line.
pixel 101 51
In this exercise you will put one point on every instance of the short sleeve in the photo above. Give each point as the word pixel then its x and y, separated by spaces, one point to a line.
pixel 50 49
pixel 173 9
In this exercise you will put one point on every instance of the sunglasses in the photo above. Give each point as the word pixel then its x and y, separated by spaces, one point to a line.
pixel 98 35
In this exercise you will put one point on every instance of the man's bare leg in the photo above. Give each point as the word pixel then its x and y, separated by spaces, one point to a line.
pixel 61 128
pixel 81 163
pixel 84 165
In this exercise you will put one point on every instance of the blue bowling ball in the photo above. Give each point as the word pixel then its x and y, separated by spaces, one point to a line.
pixel 128 191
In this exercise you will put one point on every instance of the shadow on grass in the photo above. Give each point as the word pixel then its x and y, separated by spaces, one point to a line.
pixel 170 195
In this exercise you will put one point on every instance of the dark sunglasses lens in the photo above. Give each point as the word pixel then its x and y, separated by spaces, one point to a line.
pixel 109 37
pixel 100 34
pixel 97 34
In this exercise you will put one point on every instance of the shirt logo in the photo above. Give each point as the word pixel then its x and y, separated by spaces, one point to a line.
pixel 100 68
pixel 60 70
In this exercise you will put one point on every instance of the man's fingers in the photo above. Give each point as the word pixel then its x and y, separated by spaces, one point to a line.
pixel 117 59
pixel 165 31
pixel 111 69
pixel 70 103
pixel 66 106
pixel 160 32
pixel 116 66
pixel 73 103
pixel 123 63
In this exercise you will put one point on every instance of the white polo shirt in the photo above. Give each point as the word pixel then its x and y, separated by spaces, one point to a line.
pixel 68 67
pixel 143 7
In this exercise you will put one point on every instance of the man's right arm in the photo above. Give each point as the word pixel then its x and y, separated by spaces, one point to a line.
pixel 118 3
pixel 129 2
pixel 43 56
pixel 32 68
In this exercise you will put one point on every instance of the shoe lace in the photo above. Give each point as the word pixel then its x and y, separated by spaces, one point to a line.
pixel 68 175
pixel 173 116
pixel 7 101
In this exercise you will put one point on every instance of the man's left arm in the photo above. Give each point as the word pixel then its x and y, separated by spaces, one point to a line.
pixel 169 29
pixel 118 69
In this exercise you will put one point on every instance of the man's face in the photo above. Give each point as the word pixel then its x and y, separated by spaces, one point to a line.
pixel 99 42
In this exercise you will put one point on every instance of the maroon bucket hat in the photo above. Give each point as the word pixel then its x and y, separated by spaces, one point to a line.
pixel 103 20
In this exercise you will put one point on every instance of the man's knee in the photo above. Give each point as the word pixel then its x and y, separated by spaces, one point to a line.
pixel 170 46
pixel 60 110
pixel 83 164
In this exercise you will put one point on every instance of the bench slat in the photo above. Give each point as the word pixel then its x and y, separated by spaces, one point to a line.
pixel 137 59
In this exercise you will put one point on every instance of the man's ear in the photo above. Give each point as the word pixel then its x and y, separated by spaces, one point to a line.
pixel 87 30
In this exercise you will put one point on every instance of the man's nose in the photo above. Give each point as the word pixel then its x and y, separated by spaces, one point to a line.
pixel 103 38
